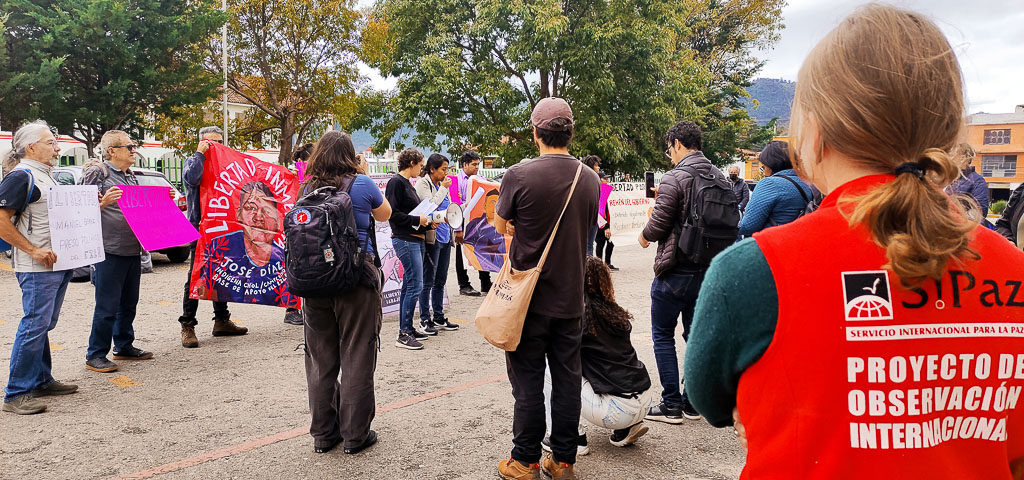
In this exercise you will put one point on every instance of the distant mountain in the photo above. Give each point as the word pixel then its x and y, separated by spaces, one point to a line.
pixel 774 97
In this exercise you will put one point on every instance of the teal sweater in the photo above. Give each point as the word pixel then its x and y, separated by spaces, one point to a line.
pixel 733 324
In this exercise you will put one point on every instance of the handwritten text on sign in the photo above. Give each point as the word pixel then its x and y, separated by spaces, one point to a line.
pixel 156 220
pixel 75 232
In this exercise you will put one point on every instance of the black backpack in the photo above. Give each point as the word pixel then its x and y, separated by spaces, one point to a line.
pixel 810 203
pixel 322 253
pixel 1007 223
pixel 713 217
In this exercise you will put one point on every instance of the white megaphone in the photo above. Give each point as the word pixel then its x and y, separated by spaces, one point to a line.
pixel 452 216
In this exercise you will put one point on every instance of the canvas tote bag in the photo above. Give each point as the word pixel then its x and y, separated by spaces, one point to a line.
pixel 501 315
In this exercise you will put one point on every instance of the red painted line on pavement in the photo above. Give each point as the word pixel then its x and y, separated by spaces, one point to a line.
pixel 295 432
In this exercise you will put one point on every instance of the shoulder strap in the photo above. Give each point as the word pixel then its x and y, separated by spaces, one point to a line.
pixel 551 239
pixel 798 188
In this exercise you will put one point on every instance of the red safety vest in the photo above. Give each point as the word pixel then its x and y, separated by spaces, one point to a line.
pixel 867 379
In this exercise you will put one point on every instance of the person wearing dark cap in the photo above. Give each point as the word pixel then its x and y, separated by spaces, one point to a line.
pixel 780 197
pixel 551 190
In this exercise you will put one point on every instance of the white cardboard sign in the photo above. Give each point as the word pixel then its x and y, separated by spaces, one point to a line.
pixel 75 232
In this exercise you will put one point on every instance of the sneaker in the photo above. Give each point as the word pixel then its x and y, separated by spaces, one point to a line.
pixel 55 387
pixel 418 335
pixel 688 410
pixel 428 328
pixel 512 469
pixel 469 292
pixel 132 353
pixel 371 439
pixel 407 341
pixel 613 268
pixel 665 414
pixel 293 316
pixel 446 324
pixel 581 445
pixel 557 470
pixel 628 436
pixel 324 447
pixel 101 364
pixel 25 405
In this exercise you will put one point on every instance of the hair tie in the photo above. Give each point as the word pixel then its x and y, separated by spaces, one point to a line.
pixel 911 167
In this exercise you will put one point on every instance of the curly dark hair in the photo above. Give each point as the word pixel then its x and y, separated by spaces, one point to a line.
pixel 408 158
pixel 602 313
pixel 688 133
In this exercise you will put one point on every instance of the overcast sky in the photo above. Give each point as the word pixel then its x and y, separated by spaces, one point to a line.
pixel 988 36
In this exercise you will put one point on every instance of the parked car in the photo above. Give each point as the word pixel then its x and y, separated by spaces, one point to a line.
pixel 72 175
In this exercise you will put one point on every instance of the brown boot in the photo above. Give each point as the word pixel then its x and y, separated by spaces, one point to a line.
pixel 188 336
pixel 557 470
pixel 225 327
pixel 514 470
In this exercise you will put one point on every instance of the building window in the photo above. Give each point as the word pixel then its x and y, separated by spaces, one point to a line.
pixel 997 137
pixel 999 165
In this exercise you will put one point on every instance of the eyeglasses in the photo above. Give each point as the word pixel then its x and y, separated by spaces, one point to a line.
pixel 668 154
pixel 131 147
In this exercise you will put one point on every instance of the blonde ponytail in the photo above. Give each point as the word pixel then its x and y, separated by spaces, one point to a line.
pixel 920 227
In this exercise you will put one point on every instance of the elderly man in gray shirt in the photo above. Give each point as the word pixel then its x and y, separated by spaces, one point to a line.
pixel 117 277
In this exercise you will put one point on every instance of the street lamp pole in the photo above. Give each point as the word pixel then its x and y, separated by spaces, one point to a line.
pixel 224 49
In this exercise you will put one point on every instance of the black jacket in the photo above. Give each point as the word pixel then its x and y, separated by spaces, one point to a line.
pixel 670 208
pixel 609 361
pixel 403 199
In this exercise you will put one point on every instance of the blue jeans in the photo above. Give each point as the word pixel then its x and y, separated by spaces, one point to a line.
pixel 672 294
pixel 411 256
pixel 42 294
pixel 117 295
pixel 591 239
pixel 435 276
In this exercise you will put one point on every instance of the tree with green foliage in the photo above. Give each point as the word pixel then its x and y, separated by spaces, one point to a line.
pixel 472 70
pixel 116 62
pixel 295 61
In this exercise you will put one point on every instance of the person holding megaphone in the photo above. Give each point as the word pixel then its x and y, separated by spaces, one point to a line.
pixel 434 186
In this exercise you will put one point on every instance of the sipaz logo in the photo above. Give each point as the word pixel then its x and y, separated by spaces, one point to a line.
pixel 867 295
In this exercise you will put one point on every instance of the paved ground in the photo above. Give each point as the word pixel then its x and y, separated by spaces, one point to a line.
pixel 237 407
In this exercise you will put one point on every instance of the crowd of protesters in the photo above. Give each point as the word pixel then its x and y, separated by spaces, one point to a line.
pixel 788 333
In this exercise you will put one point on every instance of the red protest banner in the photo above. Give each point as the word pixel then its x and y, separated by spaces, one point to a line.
pixel 240 253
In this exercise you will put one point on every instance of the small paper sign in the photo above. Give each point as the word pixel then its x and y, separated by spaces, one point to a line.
pixel 75 232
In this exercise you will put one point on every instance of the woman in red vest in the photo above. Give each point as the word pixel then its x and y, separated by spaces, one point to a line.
pixel 881 336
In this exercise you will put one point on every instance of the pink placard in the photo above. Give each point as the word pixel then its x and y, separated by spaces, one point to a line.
pixel 157 222
pixel 453 190
pixel 606 190
pixel 300 168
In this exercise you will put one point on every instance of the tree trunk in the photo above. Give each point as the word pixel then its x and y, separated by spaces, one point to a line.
pixel 545 91
pixel 287 130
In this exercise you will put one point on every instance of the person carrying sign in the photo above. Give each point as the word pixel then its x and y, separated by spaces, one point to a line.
pixel 25 224
pixel 118 276
pixel 880 336
pixel 192 176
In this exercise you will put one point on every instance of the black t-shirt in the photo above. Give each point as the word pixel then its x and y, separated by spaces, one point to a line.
pixel 14 191
pixel 532 196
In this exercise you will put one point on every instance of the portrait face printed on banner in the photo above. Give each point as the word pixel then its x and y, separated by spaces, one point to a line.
pixel 490 204
pixel 260 219
pixel 484 247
